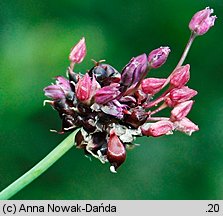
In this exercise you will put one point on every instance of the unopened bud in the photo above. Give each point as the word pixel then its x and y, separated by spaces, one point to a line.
pixel 78 52
pixel 63 83
pixel 107 93
pixel 158 57
pixel 181 110
pixel 152 85
pixel 134 70
pixel 157 129
pixel 54 91
pixel 180 76
pixel 186 126
pixel 180 95
pixel 202 21
pixel 116 153
pixel 83 89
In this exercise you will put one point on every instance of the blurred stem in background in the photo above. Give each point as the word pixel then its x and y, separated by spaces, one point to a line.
pixel 39 168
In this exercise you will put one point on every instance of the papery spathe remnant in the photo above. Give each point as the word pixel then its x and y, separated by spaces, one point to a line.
pixel 186 126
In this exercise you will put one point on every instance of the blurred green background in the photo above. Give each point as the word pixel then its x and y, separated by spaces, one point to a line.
pixel 35 40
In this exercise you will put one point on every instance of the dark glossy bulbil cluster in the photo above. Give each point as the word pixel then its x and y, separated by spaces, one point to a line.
pixel 112 108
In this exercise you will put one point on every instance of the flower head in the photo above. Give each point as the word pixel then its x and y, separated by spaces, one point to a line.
pixel 112 108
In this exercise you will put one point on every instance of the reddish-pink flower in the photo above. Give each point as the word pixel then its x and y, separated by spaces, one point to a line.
pixel 180 76
pixel 157 129
pixel 202 21
pixel 152 85
pixel 181 110
pixel 78 52
pixel 83 88
pixel 86 88
pixel 180 95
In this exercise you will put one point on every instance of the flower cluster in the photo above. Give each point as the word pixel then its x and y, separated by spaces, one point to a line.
pixel 112 108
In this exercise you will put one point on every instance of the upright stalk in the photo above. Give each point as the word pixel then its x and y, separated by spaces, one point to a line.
pixel 183 57
pixel 186 50
pixel 39 168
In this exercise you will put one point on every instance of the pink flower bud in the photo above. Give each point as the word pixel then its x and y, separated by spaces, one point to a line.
pixel 157 129
pixel 202 21
pixel 107 93
pixel 78 52
pixel 186 126
pixel 83 89
pixel 180 95
pixel 181 110
pixel 158 57
pixel 116 153
pixel 61 90
pixel 180 76
pixel 152 85
pixel 55 92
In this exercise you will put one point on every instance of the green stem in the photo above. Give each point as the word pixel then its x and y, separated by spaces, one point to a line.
pixel 39 168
